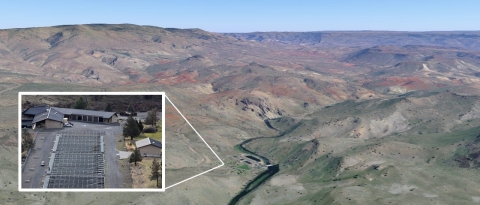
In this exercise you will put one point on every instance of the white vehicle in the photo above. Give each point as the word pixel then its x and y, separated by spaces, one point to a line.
pixel 67 125
pixel 43 163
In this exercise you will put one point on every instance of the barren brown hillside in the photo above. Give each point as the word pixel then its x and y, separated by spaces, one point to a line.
pixel 349 117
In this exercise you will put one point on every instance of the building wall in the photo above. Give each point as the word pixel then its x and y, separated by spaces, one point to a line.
pixel 113 118
pixel 89 118
pixel 53 124
pixel 151 150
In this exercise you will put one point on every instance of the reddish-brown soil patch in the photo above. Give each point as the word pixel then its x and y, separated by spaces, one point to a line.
pixel 183 77
pixel 410 83
pixel 172 119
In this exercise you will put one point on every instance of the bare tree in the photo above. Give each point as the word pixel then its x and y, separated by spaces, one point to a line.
pixel 152 117
pixel 27 140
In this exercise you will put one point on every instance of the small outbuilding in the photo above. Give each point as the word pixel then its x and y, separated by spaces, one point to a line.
pixel 149 147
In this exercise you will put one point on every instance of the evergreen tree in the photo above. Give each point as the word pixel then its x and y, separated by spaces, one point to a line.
pixel 130 108
pixel 140 125
pixel 136 156
pixel 156 169
pixel 80 104
pixel 130 129
pixel 108 108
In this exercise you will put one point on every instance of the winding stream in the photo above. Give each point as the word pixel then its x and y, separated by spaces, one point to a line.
pixel 259 179
pixel 262 177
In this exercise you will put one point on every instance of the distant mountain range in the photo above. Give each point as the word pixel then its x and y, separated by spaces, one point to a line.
pixel 124 54
pixel 452 39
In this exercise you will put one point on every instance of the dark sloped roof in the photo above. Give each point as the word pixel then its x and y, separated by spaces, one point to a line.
pixel 40 117
pixel 56 115
pixel 148 141
pixel 51 114
pixel 36 110
pixel 26 123
pixel 155 143
pixel 70 111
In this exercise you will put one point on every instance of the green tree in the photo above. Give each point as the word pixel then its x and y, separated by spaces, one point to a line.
pixel 108 108
pixel 136 156
pixel 156 171
pixel 151 117
pixel 27 140
pixel 130 108
pixel 130 129
pixel 80 104
pixel 140 125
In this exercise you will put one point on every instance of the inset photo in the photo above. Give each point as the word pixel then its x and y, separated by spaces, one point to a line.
pixel 91 141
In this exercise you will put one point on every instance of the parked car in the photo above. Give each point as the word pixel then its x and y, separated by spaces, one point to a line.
pixel 42 163
pixel 67 125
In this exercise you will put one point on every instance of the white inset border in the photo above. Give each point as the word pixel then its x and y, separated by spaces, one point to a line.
pixel 20 94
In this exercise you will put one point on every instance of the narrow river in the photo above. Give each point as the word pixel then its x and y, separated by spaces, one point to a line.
pixel 259 179
pixel 262 177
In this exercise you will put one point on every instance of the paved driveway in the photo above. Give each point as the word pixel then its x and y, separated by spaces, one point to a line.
pixel 41 152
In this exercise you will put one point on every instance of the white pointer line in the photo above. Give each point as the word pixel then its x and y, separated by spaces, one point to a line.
pixel 203 142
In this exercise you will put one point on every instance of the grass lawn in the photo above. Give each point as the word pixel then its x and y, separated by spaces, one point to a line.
pixel 121 145
pixel 156 136
pixel 244 166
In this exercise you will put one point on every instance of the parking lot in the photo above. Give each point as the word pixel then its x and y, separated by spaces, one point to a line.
pixel 79 160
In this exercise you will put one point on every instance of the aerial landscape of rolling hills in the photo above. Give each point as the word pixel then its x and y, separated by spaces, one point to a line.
pixel 331 117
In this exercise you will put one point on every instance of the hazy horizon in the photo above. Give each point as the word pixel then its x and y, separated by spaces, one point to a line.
pixel 393 31
pixel 252 16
